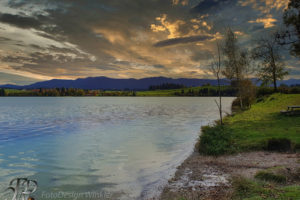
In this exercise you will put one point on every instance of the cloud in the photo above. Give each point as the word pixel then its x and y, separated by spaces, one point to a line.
pixel 267 22
pixel 180 2
pixel 202 55
pixel 173 28
pixel 182 40
pixel 265 6
pixel 20 21
pixel 6 78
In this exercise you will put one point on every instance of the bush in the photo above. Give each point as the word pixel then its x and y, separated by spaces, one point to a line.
pixel 263 91
pixel 279 144
pixel 215 140
pixel 295 90
pixel 270 176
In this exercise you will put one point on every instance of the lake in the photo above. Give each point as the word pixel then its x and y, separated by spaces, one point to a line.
pixel 105 147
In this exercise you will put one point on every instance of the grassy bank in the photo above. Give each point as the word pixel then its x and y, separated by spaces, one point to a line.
pixel 262 127
pixel 256 128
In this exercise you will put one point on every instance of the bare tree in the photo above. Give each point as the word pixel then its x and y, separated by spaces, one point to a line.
pixel 215 68
pixel 271 66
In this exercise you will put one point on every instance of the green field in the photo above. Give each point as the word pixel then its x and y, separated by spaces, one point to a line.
pixel 252 129
pixel 157 93
pixel 191 91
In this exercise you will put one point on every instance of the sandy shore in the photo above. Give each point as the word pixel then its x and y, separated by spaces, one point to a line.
pixel 206 177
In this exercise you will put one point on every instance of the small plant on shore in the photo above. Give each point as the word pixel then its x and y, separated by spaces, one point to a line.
pixel 215 140
pixel 244 188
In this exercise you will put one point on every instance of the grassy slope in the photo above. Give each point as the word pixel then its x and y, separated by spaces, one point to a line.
pixel 263 121
pixel 251 129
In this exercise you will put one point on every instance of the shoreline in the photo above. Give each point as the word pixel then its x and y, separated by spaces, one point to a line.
pixel 208 177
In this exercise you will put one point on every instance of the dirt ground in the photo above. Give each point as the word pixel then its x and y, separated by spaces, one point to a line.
pixel 205 177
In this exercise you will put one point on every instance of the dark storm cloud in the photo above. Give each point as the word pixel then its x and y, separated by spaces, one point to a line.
pixel 182 40
pixel 159 66
pixel 208 5
pixel 20 21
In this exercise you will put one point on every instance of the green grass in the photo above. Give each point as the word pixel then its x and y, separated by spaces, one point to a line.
pixel 255 190
pixel 8 91
pixel 252 129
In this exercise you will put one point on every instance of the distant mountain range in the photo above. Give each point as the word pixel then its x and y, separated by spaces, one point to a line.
pixel 106 83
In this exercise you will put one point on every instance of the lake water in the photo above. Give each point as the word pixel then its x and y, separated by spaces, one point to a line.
pixel 108 148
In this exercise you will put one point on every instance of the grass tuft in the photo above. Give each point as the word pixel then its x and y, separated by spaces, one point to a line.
pixel 270 176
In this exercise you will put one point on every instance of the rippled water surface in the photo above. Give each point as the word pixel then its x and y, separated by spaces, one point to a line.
pixel 118 147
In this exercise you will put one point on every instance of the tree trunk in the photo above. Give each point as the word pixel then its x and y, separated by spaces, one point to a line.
pixel 274 82
pixel 273 65
pixel 220 100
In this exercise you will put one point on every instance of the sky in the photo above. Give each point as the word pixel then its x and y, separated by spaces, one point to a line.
pixel 69 39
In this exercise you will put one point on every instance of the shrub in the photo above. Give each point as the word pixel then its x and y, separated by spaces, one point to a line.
pixel 279 144
pixel 295 90
pixel 245 188
pixel 263 91
pixel 215 140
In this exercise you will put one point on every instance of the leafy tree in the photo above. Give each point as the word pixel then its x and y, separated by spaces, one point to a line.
pixel 235 58
pixel 271 67
pixel 236 61
pixel 292 20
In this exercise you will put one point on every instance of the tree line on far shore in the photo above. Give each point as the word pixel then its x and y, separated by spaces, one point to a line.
pixel 203 91
pixel 63 92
